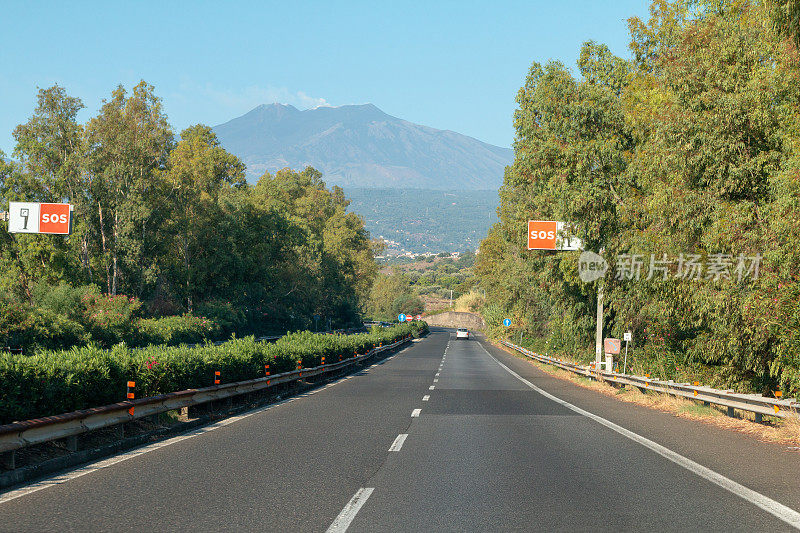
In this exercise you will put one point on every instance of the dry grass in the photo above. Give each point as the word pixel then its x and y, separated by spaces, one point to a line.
pixel 772 429
pixel 434 303
pixel 470 302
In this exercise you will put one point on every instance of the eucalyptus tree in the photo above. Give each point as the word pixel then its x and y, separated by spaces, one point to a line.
pixel 128 144
pixel 199 171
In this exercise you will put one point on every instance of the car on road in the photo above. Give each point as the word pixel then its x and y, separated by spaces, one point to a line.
pixel 462 333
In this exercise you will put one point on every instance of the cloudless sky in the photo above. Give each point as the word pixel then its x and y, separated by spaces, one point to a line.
pixel 453 65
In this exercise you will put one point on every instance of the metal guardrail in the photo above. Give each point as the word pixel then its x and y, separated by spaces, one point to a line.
pixel 754 403
pixel 26 433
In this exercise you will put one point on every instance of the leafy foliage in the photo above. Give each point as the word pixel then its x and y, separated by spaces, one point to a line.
pixel 690 148
pixel 171 224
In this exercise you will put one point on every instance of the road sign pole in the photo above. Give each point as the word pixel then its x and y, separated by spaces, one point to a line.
pixel 625 364
pixel 598 339
pixel 628 338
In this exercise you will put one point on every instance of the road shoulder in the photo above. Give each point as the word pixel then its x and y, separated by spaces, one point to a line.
pixel 769 468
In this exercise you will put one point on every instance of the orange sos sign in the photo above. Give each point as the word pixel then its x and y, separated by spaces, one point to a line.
pixel 54 218
pixel 542 234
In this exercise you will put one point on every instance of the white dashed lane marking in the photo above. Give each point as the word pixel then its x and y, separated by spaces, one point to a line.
pixel 398 442
pixel 350 510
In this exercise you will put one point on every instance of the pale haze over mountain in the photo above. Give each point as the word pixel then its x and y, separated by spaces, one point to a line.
pixel 361 146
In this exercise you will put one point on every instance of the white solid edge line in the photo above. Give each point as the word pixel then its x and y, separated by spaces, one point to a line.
pixel 136 452
pixel 345 518
pixel 776 509
pixel 415 413
pixel 398 442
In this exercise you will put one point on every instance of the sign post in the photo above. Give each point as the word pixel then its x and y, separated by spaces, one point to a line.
pixel 32 217
pixel 556 235
pixel 628 337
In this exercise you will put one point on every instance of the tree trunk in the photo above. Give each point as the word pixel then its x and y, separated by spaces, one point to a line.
pixel 85 251
pixel 186 267
pixel 23 275
pixel 115 276
pixel 105 247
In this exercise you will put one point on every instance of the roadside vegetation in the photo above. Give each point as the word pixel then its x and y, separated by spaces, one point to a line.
pixel 54 382
pixel 689 149
pixel 167 226
pixel 422 284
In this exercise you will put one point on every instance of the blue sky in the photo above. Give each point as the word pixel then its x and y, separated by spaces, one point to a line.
pixel 453 65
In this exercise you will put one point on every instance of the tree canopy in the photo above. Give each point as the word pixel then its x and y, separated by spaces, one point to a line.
pixel 689 149
pixel 172 222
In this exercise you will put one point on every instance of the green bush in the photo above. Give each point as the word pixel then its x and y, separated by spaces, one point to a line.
pixel 174 330
pixel 110 319
pixel 30 328
pixel 53 382
pixel 228 316
pixel 63 299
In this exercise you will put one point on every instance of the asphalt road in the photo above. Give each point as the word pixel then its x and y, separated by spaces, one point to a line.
pixel 440 437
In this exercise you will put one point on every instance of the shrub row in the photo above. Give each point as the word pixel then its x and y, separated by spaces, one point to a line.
pixel 64 316
pixel 53 382
pixel 174 330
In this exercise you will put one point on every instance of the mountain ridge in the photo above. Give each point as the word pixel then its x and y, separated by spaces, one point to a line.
pixel 362 146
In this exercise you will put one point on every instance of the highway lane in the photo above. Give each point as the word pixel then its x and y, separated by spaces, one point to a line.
pixel 484 452
pixel 289 468
pixel 490 453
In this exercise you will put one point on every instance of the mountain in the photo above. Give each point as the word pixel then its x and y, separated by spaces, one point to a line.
pixel 361 146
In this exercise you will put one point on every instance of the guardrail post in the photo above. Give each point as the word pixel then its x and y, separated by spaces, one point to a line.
pixel 730 412
pixel 759 418
pixel 72 443
pixel 130 395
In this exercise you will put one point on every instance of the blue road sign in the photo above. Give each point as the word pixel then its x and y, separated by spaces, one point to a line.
pixel 401 317
pixel 507 322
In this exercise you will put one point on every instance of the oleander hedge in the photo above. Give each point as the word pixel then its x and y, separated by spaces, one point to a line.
pixel 54 382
